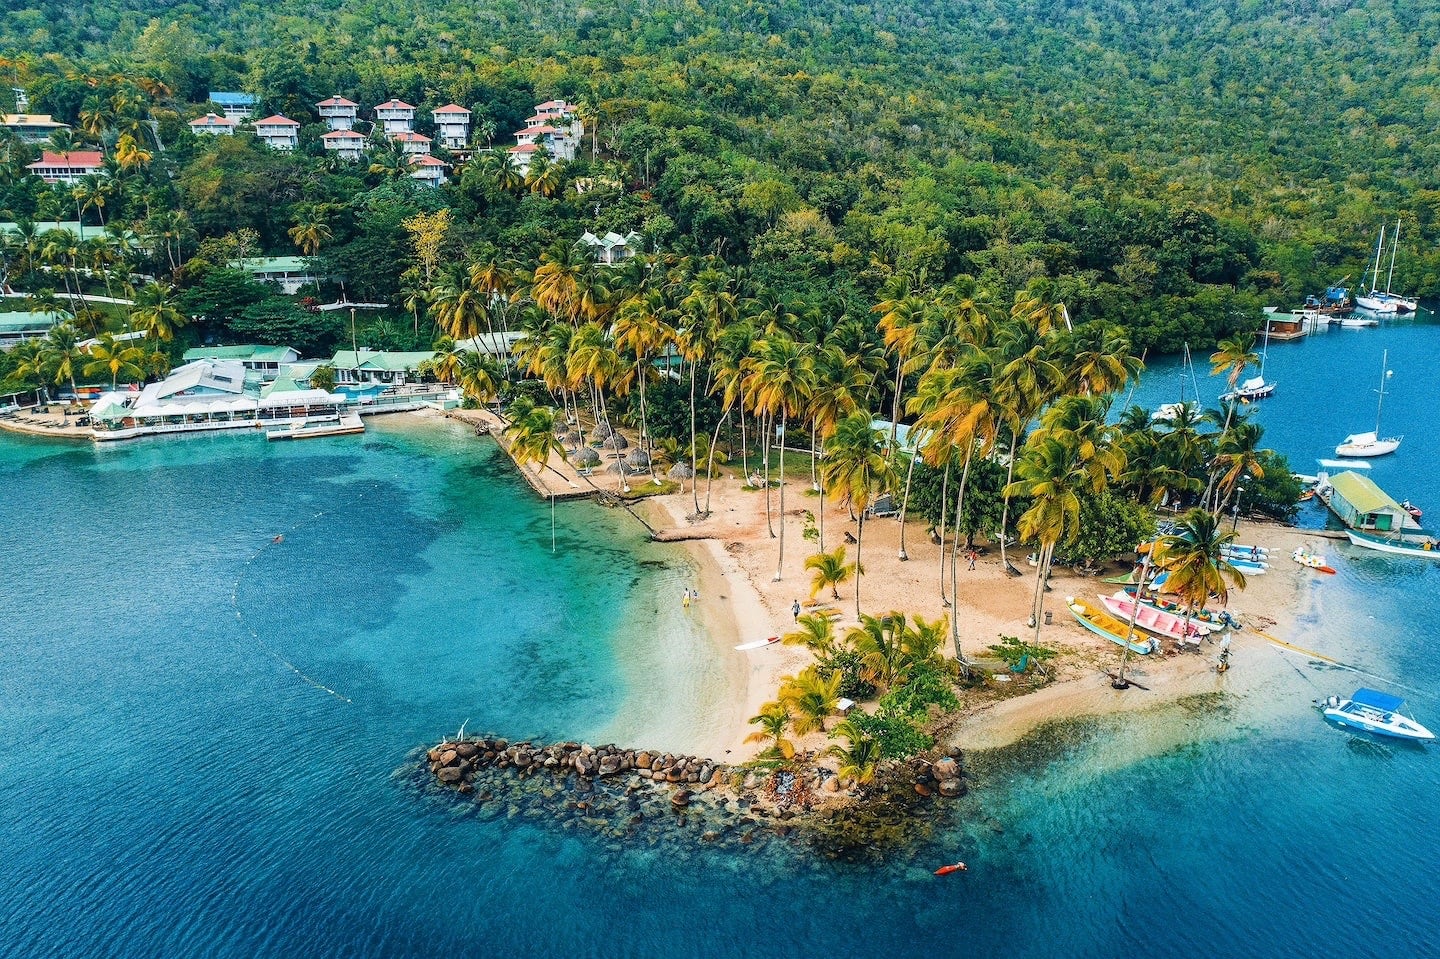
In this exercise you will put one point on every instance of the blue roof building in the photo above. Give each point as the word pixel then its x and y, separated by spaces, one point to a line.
pixel 236 106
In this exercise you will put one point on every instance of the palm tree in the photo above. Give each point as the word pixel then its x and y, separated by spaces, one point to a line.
pixel 708 308
pixel 773 720
pixel 542 176
pixel 1238 455
pixel 815 632
pixel 129 154
pixel 457 307
pixel 309 234
pixel 810 697
pixel 781 380
pixel 1053 475
pixel 532 439
pixel 1194 557
pixel 479 375
pixel 640 329
pixel 860 757
pixel 115 357
pixel 594 361
pixel 880 642
pixel 855 468
pixel 1231 358
pixel 155 311
pixel 830 570
pixel 91 193
pixel 61 353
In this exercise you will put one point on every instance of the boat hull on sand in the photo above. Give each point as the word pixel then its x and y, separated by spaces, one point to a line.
pixel 1103 624
pixel 1152 620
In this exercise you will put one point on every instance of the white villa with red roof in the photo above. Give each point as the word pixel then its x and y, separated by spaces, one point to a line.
pixel 426 169
pixel 395 116
pixel 213 125
pixel 554 127
pixel 412 144
pixel 347 143
pixel 338 113
pixel 278 133
pixel 452 126
pixel 68 167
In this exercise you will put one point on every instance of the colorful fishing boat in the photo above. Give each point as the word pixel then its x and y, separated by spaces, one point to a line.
pixel 1103 624
pixel 1219 618
pixel 1165 625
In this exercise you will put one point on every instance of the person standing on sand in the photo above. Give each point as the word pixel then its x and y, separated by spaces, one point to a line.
pixel 685 597
pixel 970 555
pixel 795 610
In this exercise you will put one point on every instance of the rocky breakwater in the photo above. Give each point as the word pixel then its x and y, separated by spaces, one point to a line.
pixel 627 796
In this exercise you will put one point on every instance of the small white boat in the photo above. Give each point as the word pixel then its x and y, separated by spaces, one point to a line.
pixel 1255 388
pixel 1169 625
pixel 1167 412
pixel 1240 551
pixel 1356 322
pixel 1375 712
pixel 1425 548
pixel 1342 465
pixel 758 644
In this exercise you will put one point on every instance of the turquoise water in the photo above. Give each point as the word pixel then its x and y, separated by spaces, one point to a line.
pixel 205 734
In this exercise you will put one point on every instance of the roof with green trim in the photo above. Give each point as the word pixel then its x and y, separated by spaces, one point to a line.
pixel 380 360
pixel 253 353
pixel 1362 493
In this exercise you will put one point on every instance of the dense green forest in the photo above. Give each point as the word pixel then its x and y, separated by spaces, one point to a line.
pixel 1169 167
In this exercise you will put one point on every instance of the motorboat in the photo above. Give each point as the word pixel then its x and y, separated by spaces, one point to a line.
pixel 1255 388
pixel 1421 548
pixel 1372 443
pixel 1374 712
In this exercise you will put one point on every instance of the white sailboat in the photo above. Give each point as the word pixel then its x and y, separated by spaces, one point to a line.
pixel 1255 388
pixel 1167 412
pixel 1372 444
pixel 1385 302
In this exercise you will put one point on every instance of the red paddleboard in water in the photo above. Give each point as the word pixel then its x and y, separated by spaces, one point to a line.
pixel 947 870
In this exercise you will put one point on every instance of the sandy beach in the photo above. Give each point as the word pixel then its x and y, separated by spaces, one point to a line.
pixel 743 601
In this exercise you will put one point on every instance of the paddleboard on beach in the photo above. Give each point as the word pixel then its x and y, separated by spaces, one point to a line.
pixel 758 644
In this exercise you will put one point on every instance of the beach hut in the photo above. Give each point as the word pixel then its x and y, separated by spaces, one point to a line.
pixel 1361 505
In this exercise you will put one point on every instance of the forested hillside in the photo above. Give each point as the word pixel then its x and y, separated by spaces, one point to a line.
pixel 1168 166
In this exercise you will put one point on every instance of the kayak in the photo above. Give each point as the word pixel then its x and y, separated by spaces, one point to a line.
pixel 953 867
pixel 758 644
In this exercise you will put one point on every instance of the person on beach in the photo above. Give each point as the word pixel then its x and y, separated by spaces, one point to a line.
pixel 795 610
pixel 685 597
pixel 970 555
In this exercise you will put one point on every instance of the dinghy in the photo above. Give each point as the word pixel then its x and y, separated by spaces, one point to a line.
pixel 758 644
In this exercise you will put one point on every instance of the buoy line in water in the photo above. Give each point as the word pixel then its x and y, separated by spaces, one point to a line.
pixel 254 635
pixel 1330 661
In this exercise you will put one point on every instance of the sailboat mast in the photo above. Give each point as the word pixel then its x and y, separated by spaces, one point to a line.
pixel 1394 245
pixel 1384 369
pixel 1379 249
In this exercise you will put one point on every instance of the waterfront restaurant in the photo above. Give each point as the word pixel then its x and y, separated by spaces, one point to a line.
pixel 1358 503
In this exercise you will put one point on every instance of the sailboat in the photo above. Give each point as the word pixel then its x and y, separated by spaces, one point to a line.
pixel 1385 302
pixel 1168 411
pixel 1255 388
pixel 1371 444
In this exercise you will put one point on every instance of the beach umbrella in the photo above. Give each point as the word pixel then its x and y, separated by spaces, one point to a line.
pixel 586 457
pixel 619 467
pixel 616 442
pixel 680 471
pixel 572 438
pixel 638 458
pixel 603 430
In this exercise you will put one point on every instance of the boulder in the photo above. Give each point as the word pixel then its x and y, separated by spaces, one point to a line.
pixel 610 765
pixel 523 757
pixel 922 789
pixel 706 771
pixel 643 760
pixel 466 750
pixel 450 774
pixel 946 768
pixel 449 758
pixel 952 788
pixel 831 784
pixel 681 799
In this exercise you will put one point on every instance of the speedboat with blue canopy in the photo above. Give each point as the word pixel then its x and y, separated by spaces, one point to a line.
pixel 1375 712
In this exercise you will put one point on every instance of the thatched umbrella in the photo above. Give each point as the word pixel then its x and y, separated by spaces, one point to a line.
pixel 638 458
pixel 572 438
pixel 585 457
pixel 681 471
pixel 615 442
pixel 602 430
pixel 619 467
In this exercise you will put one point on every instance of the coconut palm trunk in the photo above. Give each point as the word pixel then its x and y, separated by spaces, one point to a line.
pixel 859 542
pixel 1005 505
pixel 765 466
pixel 944 502
pixel 780 562
pixel 694 463
pixel 955 552
pixel 904 505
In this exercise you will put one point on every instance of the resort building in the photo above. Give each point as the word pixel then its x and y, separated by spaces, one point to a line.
pixel 234 106
pixel 427 170
pixel 612 248
pixel 262 361
pixel 378 367
pixel 289 273
pixel 68 167
pixel 1361 505
pixel 347 143
pixel 413 144
pixel 500 344
pixel 452 126
pixel 395 116
pixel 213 125
pixel 19 327
pixel 338 113
pixel 554 127
pixel 206 395
pixel 32 127
pixel 278 133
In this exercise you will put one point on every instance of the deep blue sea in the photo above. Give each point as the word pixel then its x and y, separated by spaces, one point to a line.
pixel 206 737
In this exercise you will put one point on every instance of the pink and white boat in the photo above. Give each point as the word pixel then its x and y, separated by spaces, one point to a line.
pixel 1152 620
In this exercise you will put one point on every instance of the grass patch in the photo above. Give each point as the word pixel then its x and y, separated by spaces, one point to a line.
pixel 646 488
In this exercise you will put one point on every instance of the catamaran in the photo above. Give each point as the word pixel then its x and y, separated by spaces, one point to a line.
pixel 1375 712
pixel 1377 301
pixel 1372 444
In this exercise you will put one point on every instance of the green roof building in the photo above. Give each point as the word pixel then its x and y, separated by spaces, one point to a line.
pixel 264 360
pixel 21 326
pixel 378 366
pixel 1362 505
